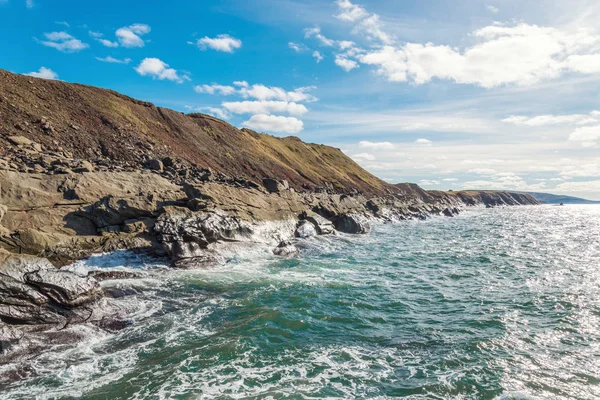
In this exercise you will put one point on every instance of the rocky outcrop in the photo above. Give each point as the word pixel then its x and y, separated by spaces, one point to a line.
pixel 33 291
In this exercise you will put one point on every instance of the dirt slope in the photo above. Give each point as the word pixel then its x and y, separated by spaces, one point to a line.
pixel 96 124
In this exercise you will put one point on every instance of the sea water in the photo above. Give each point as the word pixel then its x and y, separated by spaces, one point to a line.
pixel 492 304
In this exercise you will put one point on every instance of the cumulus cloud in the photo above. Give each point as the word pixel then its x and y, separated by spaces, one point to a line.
pixel 62 41
pixel 108 43
pixel 587 136
pixel 265 107
pixel 44 73
pixel 588 189
pixel 113 60
pixel 158 69
pixel 223 42
pixel 317 56
pixel 376 145
pixel 424 142
pixel 346 64
pixel 273 123
pixel 215 89
pixel 427 182
pixel 350 12
pixel 130 36
pixel 521 54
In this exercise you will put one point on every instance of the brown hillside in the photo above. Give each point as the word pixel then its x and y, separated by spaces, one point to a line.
pixel 99 124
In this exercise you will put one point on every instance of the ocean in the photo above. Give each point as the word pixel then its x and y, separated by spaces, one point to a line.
pixel 493 304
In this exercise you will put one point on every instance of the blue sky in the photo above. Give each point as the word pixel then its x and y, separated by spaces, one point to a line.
pixel 452 95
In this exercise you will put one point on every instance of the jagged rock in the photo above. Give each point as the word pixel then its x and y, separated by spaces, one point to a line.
pixel 186 234
pixel 286 249
pixel 273 185
pixel 155 165
pixel 201 260
pixel 353 224
pixel 450 212
pixel 101 276
pixel 197 204
pixel 63 287
pixel 322 225
pixel 33 291
pixel 305 229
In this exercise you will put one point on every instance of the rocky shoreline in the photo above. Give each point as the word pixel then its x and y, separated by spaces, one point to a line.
pixel 86 171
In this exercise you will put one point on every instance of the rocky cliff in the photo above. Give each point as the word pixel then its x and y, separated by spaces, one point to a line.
pixel 85 170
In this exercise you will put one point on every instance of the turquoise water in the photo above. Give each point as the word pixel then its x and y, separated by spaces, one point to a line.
pixel 493 304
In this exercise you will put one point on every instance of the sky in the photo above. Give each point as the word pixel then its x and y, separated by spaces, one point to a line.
pixel 470 94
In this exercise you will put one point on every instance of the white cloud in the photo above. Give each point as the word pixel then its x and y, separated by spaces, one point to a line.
pixel 108 43
pixel 345 64
pixel 29 3
pixel 316 33
pixel 450 180
pixel 588 135
pixel 63 23
pixel 64 42
pixel 44 73
pixel 372 28
pixel 297 47
pixel 110 59
pixel 265 107
pixel 376 145
pixel 214 88
pixel 222 42
pixel 317 56
pixel 520 54
pixel 276 124
pixel 544 120
pixel 158 69
pixel 350 12
pixel 493 9
pixel 130 36
pixel 95 34
pixel 260 92
pixel 364 157
pixel 424 142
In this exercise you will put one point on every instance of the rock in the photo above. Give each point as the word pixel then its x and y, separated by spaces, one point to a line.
pixel 20 141
pixel 273 185
pixel 450 212
pixel 322 225
pixel 84 166
pixel 140 225
pixel 101 276
pixel 155 165
pixel 64 288
pixel 353 224
pixel 205 259
pixel 186 234
pixel 286 249
pixel 197 204
pixel 305 229
pixel 33 291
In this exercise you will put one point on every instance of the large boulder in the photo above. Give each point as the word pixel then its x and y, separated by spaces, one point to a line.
pixel 305 229
pixel 322 225
pixel 33 291
pixel 353 224
pixel 186 234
